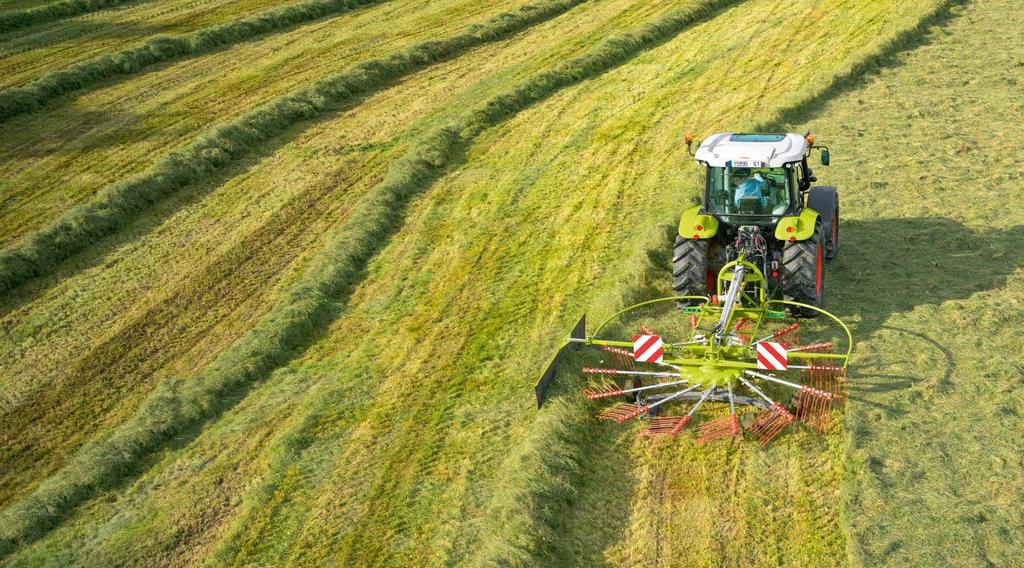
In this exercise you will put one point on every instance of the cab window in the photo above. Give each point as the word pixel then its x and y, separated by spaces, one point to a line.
pixel 749 192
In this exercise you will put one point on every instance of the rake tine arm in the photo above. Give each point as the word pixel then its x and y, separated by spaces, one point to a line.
pixel 756 390
pixel 812 390
pixel 596 371
pixel 704 396
pixel 674 396
pixel 788 329
pixel 655 386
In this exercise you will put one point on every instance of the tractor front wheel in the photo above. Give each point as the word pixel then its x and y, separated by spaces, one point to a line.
pixel 803 277
pixel 690 267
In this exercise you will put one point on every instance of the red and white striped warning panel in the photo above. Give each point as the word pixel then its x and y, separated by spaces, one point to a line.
pixel 772 356
pixel 648 348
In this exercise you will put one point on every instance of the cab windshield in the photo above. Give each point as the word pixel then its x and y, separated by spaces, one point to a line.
pixel 748 192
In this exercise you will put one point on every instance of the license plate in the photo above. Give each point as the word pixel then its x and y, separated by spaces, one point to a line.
pixel 746 164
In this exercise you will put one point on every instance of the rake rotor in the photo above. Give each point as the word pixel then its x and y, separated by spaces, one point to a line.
pixel 735 348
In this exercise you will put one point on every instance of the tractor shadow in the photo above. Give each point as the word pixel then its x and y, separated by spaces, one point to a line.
pixel 891 266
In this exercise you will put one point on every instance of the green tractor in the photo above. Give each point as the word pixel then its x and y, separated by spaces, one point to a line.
pixel 746 262
pixel 762 182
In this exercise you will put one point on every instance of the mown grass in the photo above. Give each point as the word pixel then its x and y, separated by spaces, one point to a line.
pixel 85 352
pixel 305 307
pixel 412 445
pixel 116 205
pixel 453 401
pixel 90 349
pixel 29 52
pixel 164 48
pixel 927 156
pixel 62 155
pixel 52 11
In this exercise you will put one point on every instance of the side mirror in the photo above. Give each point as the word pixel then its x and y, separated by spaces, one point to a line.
pixel 824 157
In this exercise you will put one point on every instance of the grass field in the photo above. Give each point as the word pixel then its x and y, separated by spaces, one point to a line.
pixel 323 352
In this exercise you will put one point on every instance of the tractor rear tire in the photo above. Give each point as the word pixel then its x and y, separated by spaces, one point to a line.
pixel 690 267
pixel 803 276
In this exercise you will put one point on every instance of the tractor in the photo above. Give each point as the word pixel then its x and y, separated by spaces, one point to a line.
pixel 763 181
pixel 746 326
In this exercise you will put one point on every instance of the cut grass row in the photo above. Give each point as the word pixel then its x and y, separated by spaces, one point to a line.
pixel 116 205
pixel 418 457
pixel 159 49
pixel 306 306
pixel 63 154
pixel 28 53
pixel 154 308
pixel 53 11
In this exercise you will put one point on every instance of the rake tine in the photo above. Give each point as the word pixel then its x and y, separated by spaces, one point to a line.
pixel 724 427
pixel 621 356
pixel 677 423
pixel 812 402
pixel 693 321
pixel 812 347
pixel 788 330
pixel 594 393
pixel 771 422
pixel 596 371
pixel 622 412
pixel 665 425
pixel 646 330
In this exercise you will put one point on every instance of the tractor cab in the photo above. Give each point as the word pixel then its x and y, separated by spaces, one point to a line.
pixel 754 179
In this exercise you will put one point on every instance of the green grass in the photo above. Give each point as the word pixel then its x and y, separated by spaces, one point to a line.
pixel 927 161
pixel 405 432
pixel 164 48
pixel 116 205
pixel 64 154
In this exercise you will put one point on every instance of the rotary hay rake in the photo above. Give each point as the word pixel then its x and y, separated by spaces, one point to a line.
pixel 737 348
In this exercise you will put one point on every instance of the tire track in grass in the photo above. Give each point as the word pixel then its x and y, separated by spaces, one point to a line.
pixel 160 49
pixel 304 309
pixel 40 252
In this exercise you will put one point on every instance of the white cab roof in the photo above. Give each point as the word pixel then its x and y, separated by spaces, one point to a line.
pixel 751 150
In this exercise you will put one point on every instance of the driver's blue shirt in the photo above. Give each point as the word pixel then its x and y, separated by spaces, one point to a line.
pixel 752 187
